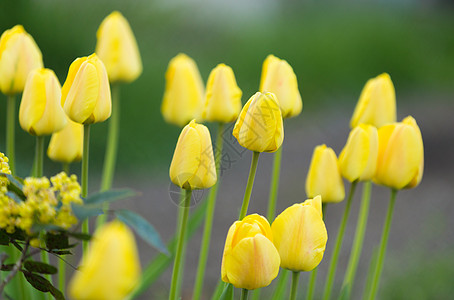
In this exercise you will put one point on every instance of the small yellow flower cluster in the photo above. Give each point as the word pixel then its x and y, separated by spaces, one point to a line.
pixel 4 168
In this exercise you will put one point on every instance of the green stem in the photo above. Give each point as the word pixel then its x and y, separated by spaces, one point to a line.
pixel 271 213
pixel 250 183
pixel 10 129
pixel 244 294
pixel 39 156
pixel 256 294
pixel 65 168
pixel 203 257
pixel 181 210
pixel 85 155
pixel 338 244
pixel 383 244
pixel 61 262
pixel 181 245
pixel 281 285
pixel 294 290
pixel 358 240
pixel 218 290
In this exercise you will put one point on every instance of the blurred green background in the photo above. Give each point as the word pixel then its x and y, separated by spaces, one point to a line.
pixel 333 47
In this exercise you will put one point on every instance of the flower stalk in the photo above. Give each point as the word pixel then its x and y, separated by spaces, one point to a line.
pixel 10 131
pixel 250 183
pixel 294 289
pixel 85 228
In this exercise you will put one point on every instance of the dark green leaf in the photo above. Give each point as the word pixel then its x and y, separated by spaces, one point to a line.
pixel 4 238
pixel 110 196
pixel 18 235
pixel 7 267
pixel 57 240
pixel 144 229
pixel 62 252
pixel 87 210
pixel 15 197
pixel 15 185
pixel 57 294
pixel 38 282
pixel 80 236
pixel 227 294
pixel 39 267
pixel 46 227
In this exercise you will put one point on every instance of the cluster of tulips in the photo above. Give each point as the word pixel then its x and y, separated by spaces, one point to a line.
pixel 378 149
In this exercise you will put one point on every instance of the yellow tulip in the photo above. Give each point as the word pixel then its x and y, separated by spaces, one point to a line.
pixel 358 159
pixel 278 78
pixel 223 96
pixel 192 164
pixel 300 235
pixel 40 111
pixel 250 260
pixel 324 176
pixel 19 55
pixel 110 269
pixel 377 103
pixel 184 91
pixel 86 92
pixel 400 161
pixel 259 127
pixel 66 145
pixel 117 48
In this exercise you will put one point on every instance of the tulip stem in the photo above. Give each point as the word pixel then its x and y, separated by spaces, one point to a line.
pixel 244 294
pixel 85 228
pixel 358 240
pixel 338 244
pixel 39 156
pixel 383 244
pixel 61 262
pixel 209 218
pixel 294 290
pixel 180 246
pixel 10 129
pixel 271 213
pixel 65 168
pixel 250 183
pixel 280 288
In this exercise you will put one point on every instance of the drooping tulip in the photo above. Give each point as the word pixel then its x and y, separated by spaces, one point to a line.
pixel 259 126
pixel 40 111
pixel 223 96
pixel 66 145
pixel 250 260
pixel 117 48
pixel 278 78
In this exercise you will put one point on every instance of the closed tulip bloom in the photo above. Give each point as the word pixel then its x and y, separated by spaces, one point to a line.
pixel 324 176
pixel 377 103
pixel 358 159
pixel 250 260
pixel 117 48
pixel 278 78
pixel 400 161
pixel 223 96
pixel 40 111
pixel 19 55
pixel 259 127
pixel 66 145
pixel 86 92
pixel 184 91
pixel 192 164
pixel 300 235
pixel 110 269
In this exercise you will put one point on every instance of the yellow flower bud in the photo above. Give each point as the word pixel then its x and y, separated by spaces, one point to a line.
pixel 278 78
pixel 358 159
pixel 19 55
pixel 86 92
pixel 250 260
pixel 259 127
pixel 324 176
pixel 40 111
pixel 192 164
pixel 184 91
pixel 117 48
pixel 66 146
pixel 377 103
pixel 400 162
pixel 111 268
pixel 300 235
pixel 223 96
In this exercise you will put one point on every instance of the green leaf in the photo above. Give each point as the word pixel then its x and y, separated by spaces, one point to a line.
pixel 61 252
pixel 15 197
pixel 87 210
pixel 57 240
pixel 57 294
pixel 80 236
pixel 45 227
pixel 111 196
pixel 39 267
pixel 227 294
pixel 15 184
pixel 38 282
pixel 4 238
pixel 144 229
pixel 7 267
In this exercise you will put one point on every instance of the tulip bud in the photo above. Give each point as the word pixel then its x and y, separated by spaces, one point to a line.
pixel 19 55
pixel 358 159
pixel 250 260
pixel 223 96
pixel 184 91
pixel 40 111
pixel 86 92
pixel 377 103
pixel 117 48
pixel 192 164
pixel 278 78
pixel 300 235
pixel 110 269
pixel 66 145
pixel 259 127
pixel 400 162
pixel 324 176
